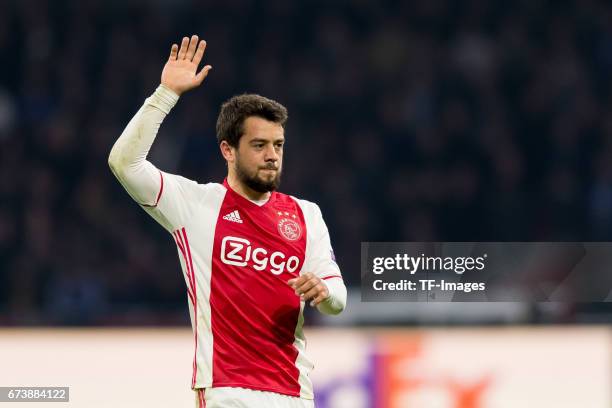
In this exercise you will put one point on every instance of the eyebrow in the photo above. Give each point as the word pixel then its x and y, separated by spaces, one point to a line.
pixel 257 140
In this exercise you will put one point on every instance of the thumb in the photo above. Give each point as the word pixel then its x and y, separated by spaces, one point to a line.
pixel 202 74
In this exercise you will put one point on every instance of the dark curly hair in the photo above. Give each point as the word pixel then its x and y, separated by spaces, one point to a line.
pixel 234 111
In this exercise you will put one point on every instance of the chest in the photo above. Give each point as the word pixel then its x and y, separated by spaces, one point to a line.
pixel 268 238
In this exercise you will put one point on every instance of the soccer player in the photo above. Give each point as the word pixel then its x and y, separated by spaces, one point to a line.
pixel 251 256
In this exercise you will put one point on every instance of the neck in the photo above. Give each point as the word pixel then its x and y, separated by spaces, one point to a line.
pixel 244 190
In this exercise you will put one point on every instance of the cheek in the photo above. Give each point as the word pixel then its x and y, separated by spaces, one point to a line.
pixel 249 161
pixel 256 159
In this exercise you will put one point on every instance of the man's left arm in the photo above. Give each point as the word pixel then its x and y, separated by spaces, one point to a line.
pixel 322 285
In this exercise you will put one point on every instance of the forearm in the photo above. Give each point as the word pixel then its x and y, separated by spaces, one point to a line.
pixel 127 158
pixel 336 302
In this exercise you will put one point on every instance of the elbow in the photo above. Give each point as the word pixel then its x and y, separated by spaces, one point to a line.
pixel 115 168
pixel 114 161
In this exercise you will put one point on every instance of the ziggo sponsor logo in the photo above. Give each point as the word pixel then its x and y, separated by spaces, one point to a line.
pixel 239 252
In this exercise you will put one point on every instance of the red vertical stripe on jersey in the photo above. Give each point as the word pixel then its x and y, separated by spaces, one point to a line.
pixel 195 309
pixel 189 265
pixel 184 255
pixel 180 246
pixel 186 243
pixel 183 244
pixel 201 398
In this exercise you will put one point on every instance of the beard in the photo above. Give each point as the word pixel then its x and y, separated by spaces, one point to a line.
pixel 256 183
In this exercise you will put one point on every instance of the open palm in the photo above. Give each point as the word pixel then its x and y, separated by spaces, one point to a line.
pixel 180 72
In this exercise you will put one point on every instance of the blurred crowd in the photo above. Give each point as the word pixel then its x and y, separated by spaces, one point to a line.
pixel 432 120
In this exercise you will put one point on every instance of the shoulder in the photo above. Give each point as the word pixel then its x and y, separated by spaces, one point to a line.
pixel 309 209
pixel 210 191
pixel 188 188
pixel 212 188
pixel 312 216
pixel 288 202
pixel 188 183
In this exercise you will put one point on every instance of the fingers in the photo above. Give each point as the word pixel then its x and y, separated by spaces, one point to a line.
pixel 318 294
pixel 183 51
pixel 315 291
pixel 305 287
pixel 199 52
pixel 173 52
pixel 320 298
pixel 308 286
pixel 299 281
pixel 193 44
pixel 203 74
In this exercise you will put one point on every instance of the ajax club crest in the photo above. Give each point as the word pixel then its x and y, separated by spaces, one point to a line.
pixel 289 229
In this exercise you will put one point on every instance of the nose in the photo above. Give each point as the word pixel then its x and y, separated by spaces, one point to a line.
pixel 271 155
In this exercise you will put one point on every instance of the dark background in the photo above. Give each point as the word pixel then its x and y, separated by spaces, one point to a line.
pixel 409 121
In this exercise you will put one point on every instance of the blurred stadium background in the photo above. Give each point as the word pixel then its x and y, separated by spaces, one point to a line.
pixel 431 120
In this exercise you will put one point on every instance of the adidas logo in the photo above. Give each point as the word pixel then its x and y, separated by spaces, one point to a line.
pixel 234 216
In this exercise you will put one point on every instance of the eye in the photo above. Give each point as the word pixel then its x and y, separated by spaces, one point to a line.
pixel 258 145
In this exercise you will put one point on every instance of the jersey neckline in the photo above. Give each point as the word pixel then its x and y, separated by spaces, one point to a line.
pixel 246 200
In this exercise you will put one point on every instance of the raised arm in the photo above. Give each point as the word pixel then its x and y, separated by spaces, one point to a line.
pixel 127 158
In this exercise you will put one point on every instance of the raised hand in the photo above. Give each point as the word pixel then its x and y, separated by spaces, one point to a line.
pixel 179 73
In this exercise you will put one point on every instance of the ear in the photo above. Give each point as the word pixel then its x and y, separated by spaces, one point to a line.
pixel 228 152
